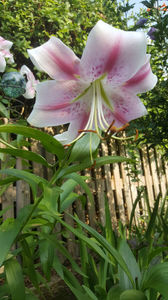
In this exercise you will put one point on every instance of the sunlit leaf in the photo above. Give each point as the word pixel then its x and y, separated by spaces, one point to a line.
pixel 49 142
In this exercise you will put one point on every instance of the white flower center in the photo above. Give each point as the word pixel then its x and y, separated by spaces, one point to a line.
pixel 96 121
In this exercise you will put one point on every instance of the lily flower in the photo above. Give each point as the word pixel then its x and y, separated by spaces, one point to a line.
pixel 5 46
pixel 92 92
pixel 31 82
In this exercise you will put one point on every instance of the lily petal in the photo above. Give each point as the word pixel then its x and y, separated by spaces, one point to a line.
pixel 56 59
pixel 72 133
pixel 2 64
pixel 127 107
pixel 118 53
pixel 53 103
pixel 5 44
pixel 144 80
pixel 31 82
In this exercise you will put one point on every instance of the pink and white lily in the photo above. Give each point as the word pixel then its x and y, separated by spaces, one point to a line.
pixel 5 46
pixel 91 92
pixel 31 82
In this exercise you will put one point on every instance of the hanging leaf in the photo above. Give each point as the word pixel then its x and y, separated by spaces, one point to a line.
pixel 49 142
pixel 31 179
pixel 85 147
pixel 15 279
pixel 25 154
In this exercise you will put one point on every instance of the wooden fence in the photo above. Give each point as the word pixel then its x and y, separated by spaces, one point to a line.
pixel 113 180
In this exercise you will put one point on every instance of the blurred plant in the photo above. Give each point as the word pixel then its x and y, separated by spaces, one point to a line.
pixel 156 100
pixel 151 33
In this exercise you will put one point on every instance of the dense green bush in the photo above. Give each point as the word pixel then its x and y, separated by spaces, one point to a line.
pixel 156 100
pixel 29 23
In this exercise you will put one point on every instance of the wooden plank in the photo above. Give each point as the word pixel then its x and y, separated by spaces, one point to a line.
pixel 22 190
pixel 109 186
pixel 133 190
pixel 166 171
pixel 126 183
pixel 118 185
pixel 148 177
pixel 91 206
pixel 153 165
pixel 8 199
pixel 141 183
pixel 162 176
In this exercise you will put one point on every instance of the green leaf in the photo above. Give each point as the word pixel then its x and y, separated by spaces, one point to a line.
pixel 98 162
pixel 114 293
pixel 4 111
pixel 31 179
pixel 78 178
pixel 29 263
pixel 84 147
pixel 133 267
pixel 58 245
pixel 74 284
pixel 110 237
pixel 25 154
pixel 31 296
pixel 8 236
pixel 58 267
pixel 68 201
pixel 15 279
pixel 49 142
pixel 3 211
pixel 46 250
pixel 4 291
pixel 51 195
pixel 147 4
pixel 133 210
pixel 151 225
pixel 131 294
pixel 89 293
pixel 108 247
pixel 156 278
pixel 95 246
pixel 8 180
pixel 65 198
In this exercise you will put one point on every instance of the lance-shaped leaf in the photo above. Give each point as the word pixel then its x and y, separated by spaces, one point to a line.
pixel 49 143
pixel 25 154
pixel 31 179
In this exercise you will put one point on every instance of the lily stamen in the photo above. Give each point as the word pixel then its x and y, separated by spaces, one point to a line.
pixel 86 130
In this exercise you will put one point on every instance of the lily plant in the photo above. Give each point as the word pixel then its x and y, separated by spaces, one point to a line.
pixel 97 90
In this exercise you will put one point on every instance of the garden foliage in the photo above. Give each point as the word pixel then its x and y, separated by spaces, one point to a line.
pixel 128 263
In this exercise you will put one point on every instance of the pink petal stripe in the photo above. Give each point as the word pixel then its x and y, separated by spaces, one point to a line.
pixel 56 59
pixel 52 93
pixel 118 53
pixel 57 116
pixel 143 81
